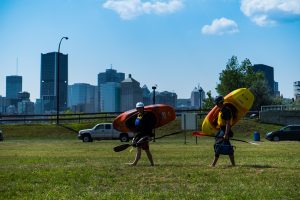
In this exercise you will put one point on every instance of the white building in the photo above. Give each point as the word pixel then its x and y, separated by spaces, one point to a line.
pixel 197 97
pixel 131 93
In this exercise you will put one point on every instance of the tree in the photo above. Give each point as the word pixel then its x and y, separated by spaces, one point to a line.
pixel 261 94
pixel 208 103
pixel 249 76
pixel 242 75
pixel 230 78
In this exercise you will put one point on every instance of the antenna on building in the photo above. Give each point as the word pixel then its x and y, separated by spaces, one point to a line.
pixel 110 66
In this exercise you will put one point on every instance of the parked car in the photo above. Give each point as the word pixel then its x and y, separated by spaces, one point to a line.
pixel 1 136
pixel 103 131
pixel 290 132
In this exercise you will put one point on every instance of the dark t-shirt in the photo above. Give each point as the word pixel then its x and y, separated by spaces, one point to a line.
pixel 144 125
pixel 226 113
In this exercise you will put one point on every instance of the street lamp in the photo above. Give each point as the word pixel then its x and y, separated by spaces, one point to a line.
pixel 200 105
pixel 57 81
pixel 200 98
pixel 154 88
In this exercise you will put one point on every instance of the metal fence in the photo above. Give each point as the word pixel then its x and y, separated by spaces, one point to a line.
pixel 71 118
pixel 280 107
pixel 51 118
pixel 84 117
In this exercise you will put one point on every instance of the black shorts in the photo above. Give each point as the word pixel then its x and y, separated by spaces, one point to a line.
pixel 141 141
pixel 222 146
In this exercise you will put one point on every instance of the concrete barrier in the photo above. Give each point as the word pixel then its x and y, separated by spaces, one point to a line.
pixel 281 117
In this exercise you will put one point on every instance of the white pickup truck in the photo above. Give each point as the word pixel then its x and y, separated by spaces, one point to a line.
pixel 103 131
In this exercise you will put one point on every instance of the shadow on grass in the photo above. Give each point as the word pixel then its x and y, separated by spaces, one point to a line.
pixel 68 128
pixel 207 166
pixel 258 166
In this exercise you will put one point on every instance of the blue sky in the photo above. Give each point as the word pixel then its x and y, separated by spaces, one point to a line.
pixel 176 44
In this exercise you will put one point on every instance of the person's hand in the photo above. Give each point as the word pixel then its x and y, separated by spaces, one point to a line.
pixel 225 137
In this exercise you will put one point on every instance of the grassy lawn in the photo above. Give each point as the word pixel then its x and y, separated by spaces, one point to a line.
pixel 58 166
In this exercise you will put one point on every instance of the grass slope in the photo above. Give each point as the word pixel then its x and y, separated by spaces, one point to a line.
pixel 244 129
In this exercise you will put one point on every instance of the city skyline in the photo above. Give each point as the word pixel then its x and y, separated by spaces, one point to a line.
pixel 175 44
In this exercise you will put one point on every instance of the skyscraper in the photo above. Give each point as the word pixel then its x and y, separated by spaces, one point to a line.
pixel 297 89
pixel 3 104
pixel 269 75
pixel 82 97
pixel 276 89
pixel 48 86
pixel 13 86
pixel 110 100
pixel 25 106
pixel 110 75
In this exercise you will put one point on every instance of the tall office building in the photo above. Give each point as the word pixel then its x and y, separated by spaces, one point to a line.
pixel 297 89
pixel 110 100
pixel 25 106
pixel 48 84
pixel 82 97
pixel 3 104
pixel 13 86
pixel 276 89
pixel 38 106
pixel 110 75
pixel 269 75
pixel 131 93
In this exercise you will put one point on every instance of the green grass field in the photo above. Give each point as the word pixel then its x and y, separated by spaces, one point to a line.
pixel 48 162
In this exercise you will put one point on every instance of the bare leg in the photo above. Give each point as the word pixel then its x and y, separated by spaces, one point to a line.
pixel 137 156
pixel 232 160
pixel 149 155
pixel 214 161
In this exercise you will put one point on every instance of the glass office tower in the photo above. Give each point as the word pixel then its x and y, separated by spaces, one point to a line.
pixel 13 86
pixel 48 87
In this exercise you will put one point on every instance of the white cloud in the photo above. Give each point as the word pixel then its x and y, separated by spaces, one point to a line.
pixel 220 27
pixel 129 9
pixel 270 12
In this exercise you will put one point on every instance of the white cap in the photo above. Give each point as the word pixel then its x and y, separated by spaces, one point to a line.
pixel 139 105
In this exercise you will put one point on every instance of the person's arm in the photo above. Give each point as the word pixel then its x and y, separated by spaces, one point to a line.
pixel 228 127
pixel 227 116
